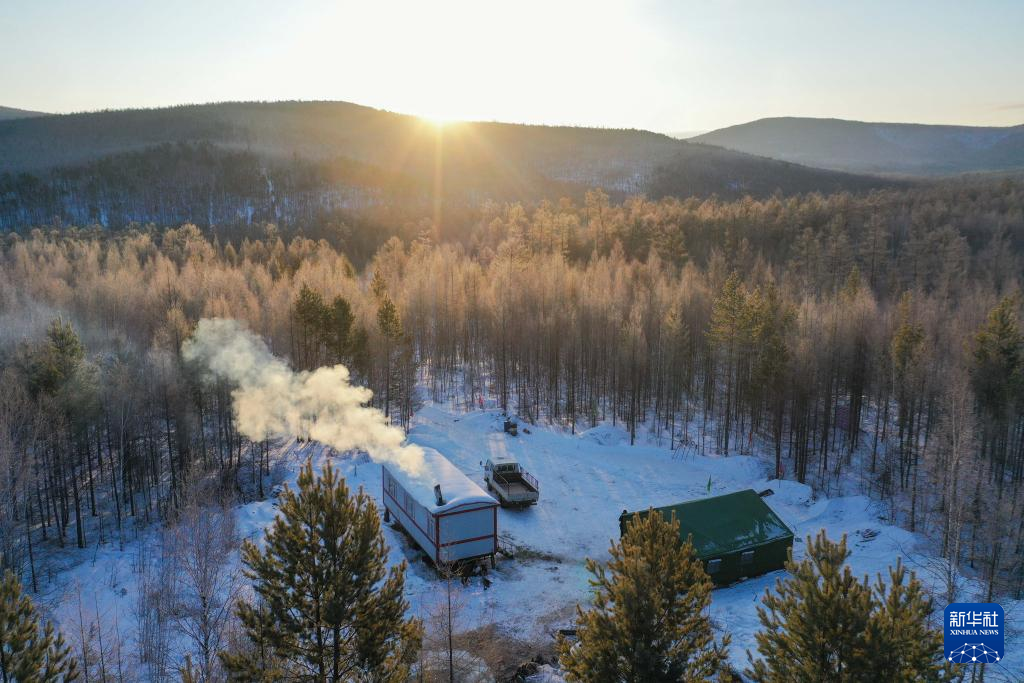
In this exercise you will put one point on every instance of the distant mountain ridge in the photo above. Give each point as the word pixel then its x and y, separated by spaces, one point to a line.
pixel 288 162
pixel 863 147
pixel 628 161
pixel 8 113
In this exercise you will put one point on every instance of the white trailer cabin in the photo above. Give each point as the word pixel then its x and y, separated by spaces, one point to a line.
pixel 448 515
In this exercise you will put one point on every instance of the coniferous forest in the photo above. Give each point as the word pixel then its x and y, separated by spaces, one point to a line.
pixel 863 343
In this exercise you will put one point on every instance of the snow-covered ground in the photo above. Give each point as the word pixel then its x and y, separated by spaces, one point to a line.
pixel 586 480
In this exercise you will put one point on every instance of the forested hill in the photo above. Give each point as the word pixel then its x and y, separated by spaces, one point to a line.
pixel 232 162
pixel 860 147
pixel 7 113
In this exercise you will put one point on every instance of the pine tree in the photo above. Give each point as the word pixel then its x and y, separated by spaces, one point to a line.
pixel 390 324
pixel 999 357
pixel 727 312
pixel 327 607
pixel 339 332
pixel 30 651
pixel 907 339
pixel 906 351
pixel 378 285
pixel 814 623
pixel 53 364
pixel 649 621
pixel 771 319
pixel 730 330
pixel 875 250
pixel 388 320
pixel 899 628
pixel 312 317
pixel 670 244
pixel 359 351
pixel 998 375
pixel 852 286
pixel 824 624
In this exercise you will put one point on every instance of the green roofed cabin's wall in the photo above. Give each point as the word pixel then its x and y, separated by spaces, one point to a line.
pixel 738 530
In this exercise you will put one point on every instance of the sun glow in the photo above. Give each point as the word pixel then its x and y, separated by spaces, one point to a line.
pixel 461 60
pixel 437 121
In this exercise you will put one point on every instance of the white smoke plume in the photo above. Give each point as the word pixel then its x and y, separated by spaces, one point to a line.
pixel 272 399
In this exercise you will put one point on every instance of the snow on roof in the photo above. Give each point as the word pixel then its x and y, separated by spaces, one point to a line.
pixel 456 488
pixel 504 458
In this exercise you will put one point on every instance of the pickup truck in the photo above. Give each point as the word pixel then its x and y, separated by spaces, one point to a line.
pixel 513 485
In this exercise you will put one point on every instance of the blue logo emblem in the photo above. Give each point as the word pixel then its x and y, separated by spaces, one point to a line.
pixel 974 632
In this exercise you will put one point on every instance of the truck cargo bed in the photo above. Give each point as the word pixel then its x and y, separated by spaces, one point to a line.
pixel 515 488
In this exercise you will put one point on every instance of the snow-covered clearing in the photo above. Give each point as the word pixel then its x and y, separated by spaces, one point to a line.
pixel 586 481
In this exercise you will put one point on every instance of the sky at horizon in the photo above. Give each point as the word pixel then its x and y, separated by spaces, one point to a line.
pixel 654 64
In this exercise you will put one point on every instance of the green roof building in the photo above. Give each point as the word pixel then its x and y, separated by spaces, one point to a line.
pixel 736 535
